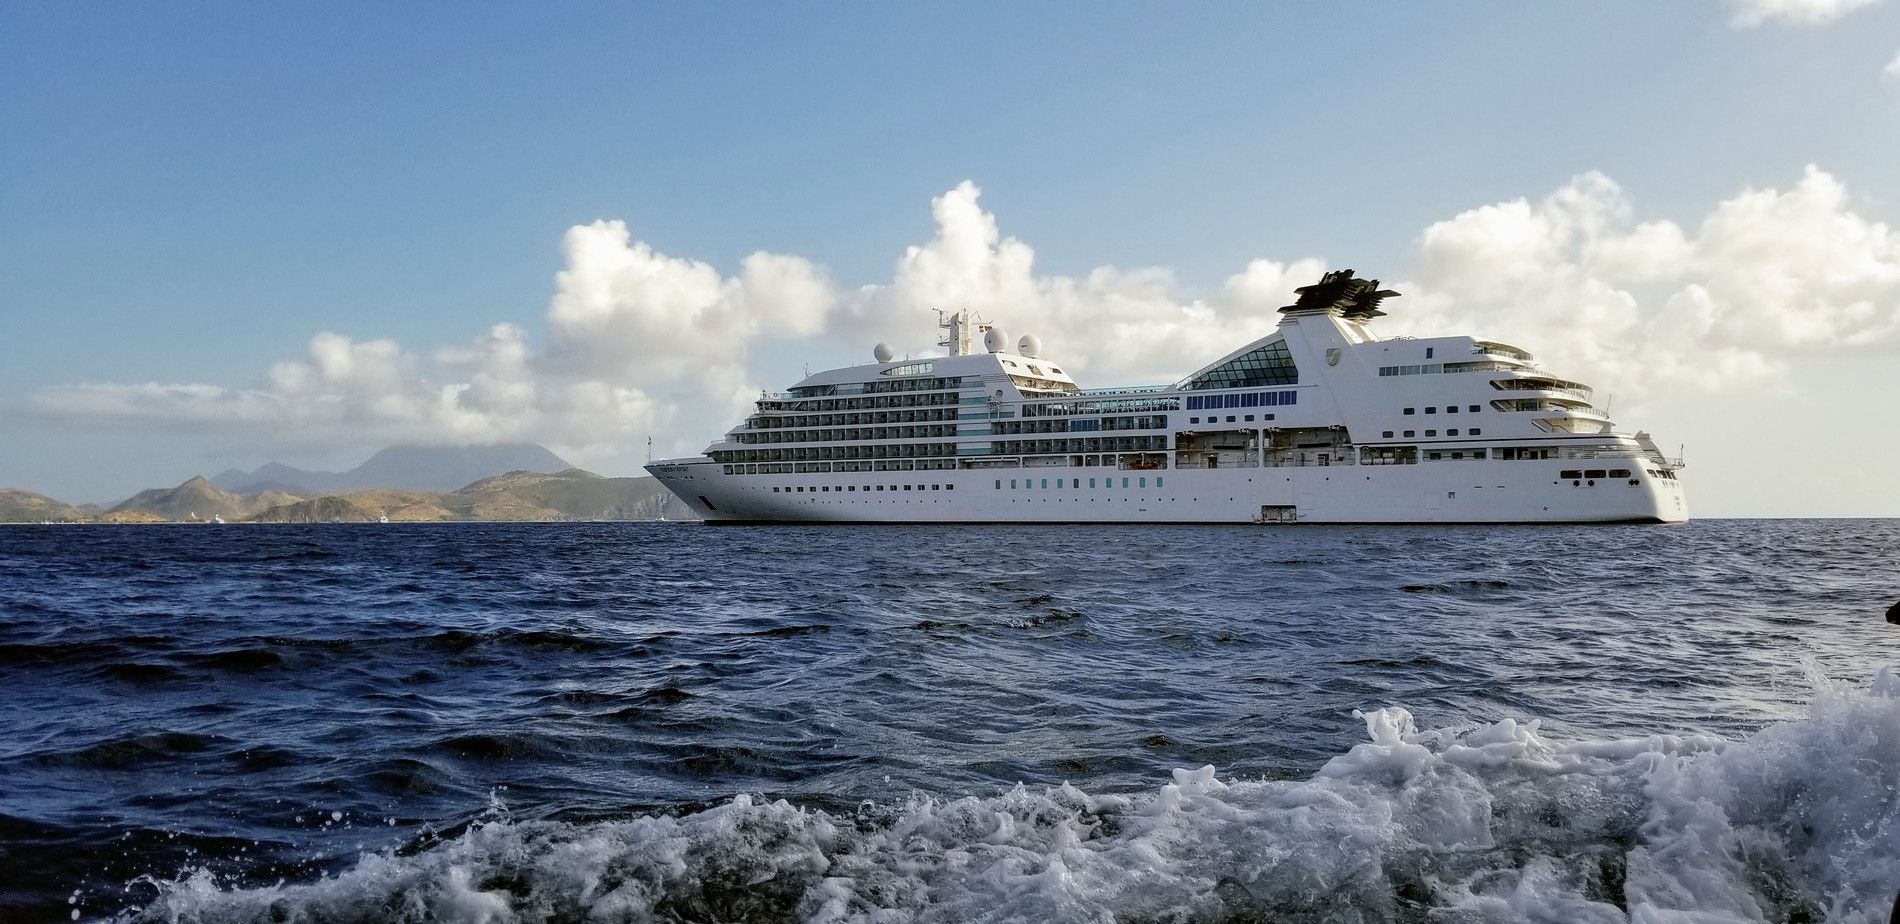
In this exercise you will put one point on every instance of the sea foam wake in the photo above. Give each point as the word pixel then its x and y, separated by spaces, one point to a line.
pixel 1800 821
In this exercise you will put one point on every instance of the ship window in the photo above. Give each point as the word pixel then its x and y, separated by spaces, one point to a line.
pixel 1436 456
pixel 1593 473
pixel 775 490
pixel 907 487
pixel 1475 408
pixel 1451 408
pixel 852 488
pixel 1408 411
pixel 1386 435
pixel 1474 431
pixel 949 487
pixel 1619 473
pixel 1570 473
pixel 1431 410
pixel 1431 433
pixel 1045 483
pixel 1452 432
pixel 1194 420
pixel 1271 364
pixel 1428 352
pixel 1158 481
pixel 1458 455
pixel 1269 416
pixel 1230 418
pixel 1410 433
pixel 999 484
pixel 1124 482
pixel 936 487
pixel 1058 482
pixel 1478 455
pixel 1249 416
pixel 1144 482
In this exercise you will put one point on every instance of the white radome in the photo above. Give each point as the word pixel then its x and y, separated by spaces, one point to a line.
pixel 995 340
pixel 1029 346
pixel 883 352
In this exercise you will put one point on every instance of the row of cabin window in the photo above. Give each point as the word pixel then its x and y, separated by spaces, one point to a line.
pixel 1474 431
pixel 1250 399
pixel 1449 409
pixel 1391 454
pixel 799 489
pixel 1593 473
pixel 862 465
pixel 1407 455
pixel 1076 483
pixel 1230 418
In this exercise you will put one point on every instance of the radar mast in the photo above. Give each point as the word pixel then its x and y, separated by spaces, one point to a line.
pixel 961 328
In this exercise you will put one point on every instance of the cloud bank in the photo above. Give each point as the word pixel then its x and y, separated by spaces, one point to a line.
pixel 1752 13
pixel 635 342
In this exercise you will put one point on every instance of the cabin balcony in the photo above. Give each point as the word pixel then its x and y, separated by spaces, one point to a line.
pixel 1494 348
pixel 1544 383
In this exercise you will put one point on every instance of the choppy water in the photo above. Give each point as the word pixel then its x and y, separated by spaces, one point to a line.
pixel 634 722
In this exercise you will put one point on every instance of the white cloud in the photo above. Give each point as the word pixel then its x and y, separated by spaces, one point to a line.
pixel 1892 70
pixel 636 342
pixel 1751 13
pixel 1768 278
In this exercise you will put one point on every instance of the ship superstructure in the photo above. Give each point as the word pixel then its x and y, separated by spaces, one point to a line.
pixel 1320 421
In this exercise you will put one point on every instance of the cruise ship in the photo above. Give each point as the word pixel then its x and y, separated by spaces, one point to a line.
pixel 1320 421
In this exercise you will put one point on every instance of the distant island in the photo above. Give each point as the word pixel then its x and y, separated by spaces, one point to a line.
pixel 402 484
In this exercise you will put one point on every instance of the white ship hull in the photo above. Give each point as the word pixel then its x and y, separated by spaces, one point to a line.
pixel 1321 421
pixel 1465 492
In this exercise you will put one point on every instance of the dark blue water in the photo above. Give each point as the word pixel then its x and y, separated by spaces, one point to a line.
pixel 573 722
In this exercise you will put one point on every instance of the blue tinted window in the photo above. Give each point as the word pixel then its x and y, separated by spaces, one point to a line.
pixel 1268 365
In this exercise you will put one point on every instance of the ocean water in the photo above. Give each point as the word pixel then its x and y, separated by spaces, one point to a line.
pixel 635 722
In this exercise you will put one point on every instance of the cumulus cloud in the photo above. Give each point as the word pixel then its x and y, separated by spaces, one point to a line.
pixel 1769 277
pixel 1892 71
pixel 636 342
pixel 1126 324
pixel 1751 13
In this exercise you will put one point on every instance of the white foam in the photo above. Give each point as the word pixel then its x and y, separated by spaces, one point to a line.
pixel 1497 823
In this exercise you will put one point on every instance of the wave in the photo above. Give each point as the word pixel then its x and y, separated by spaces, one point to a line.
pixel 1500 822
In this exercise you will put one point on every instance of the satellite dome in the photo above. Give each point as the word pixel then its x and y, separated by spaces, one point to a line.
pixel 995 340
pixel 1029 346
pixel 883 352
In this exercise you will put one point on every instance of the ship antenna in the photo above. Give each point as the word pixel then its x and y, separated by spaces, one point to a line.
pixel 649 450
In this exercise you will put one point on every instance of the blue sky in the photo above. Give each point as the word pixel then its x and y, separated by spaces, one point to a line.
pixel 189 193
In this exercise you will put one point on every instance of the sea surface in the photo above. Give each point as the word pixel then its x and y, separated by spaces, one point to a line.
pixel 671 722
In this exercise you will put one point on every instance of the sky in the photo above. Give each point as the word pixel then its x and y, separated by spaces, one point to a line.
pixel 240 233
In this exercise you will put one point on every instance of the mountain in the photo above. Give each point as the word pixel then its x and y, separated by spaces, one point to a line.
pixel 568 495
pixel 406 468
pixel 360 507
pixel 28 507
pixel 199 499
